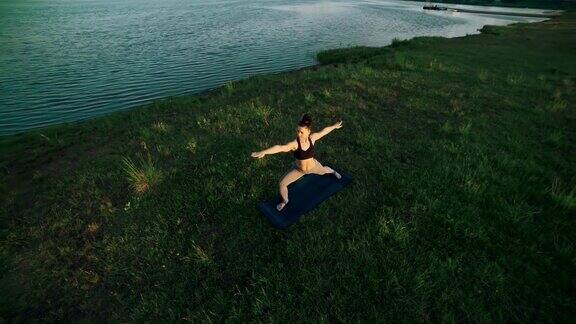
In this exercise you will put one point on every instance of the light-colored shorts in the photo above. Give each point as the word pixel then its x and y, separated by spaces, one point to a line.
pixel 318 168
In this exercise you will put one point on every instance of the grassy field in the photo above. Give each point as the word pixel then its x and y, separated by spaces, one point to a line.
pixel 463 206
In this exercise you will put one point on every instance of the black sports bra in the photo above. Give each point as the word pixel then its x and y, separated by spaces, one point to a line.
pixel 301 154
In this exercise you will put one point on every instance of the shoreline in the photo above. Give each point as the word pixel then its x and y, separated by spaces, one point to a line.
pixel 500 13
pixel 544 5
pixel 462 152
pixel 218 88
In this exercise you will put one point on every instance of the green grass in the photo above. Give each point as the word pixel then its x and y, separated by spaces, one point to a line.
pixel 462 209
pixel 144 176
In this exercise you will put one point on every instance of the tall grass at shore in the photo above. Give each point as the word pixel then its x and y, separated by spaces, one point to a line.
pixel 462 209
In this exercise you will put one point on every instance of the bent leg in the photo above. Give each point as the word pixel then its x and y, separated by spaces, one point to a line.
pixel 290 177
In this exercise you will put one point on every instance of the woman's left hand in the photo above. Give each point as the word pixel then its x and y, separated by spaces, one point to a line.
pixel 338 124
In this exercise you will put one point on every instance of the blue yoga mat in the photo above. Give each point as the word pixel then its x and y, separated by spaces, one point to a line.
pixel 303 196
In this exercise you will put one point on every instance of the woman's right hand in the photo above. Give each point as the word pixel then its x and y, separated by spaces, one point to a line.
pixel 258 155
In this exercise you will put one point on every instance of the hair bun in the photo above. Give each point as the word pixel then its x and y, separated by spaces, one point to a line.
pixel 306 120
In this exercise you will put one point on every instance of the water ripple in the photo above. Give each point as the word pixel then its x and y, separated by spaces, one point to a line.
pixel 63 61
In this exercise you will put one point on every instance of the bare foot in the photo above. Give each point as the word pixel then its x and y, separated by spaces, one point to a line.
pixel 281 205
pixel 338 176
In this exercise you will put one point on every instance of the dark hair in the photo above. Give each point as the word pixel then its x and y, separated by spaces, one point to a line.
pixel 306 121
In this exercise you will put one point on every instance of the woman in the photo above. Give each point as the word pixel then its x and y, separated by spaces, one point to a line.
pixel 303 148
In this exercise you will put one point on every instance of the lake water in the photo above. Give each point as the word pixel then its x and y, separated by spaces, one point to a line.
pixel 68 60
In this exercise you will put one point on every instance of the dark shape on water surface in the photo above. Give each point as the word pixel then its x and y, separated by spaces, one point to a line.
pixel 304 195
pixel 434 7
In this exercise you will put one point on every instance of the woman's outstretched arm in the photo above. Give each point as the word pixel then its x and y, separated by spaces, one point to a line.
pixel 275 149
pixel 325 131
